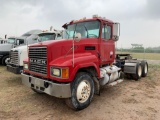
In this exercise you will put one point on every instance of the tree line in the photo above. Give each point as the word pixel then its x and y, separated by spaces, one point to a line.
pixel 140 49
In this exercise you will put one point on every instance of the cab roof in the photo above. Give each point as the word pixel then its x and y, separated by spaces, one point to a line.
pixel 46 31
pixel 88 19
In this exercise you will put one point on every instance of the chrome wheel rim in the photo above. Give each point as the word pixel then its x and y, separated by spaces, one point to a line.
pixel 83 91
pixel 6 61
pixel 145 69
pixel 139 71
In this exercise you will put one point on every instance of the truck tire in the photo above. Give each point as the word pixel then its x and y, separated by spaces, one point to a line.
pixel 5 60
pixel 37 91
pixel 144 68
pixel 138 74
pixel 82 91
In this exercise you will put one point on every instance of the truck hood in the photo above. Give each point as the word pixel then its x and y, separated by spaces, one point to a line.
pixel 63 48
pixel 6 47
pixel 48 43
pixel 20 48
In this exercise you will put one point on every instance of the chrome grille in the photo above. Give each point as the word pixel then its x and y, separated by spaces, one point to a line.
pixel 14 57
pixel 38 59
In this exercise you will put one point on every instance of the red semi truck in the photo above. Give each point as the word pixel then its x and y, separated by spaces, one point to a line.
pixel 77 66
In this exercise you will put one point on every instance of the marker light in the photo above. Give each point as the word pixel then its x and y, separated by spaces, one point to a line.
pixel 65 72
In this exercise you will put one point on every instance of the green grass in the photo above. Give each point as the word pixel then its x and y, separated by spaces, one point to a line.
pixel 154 66
pixel 148 56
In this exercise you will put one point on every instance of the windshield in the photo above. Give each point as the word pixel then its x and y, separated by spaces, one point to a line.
pixel 47 36
pixel 86 29
pixel 11 40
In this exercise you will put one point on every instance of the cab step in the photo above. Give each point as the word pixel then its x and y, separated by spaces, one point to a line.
pixel 115 82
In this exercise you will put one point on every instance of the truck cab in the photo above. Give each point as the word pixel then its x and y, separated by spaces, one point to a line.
pixel 2 41
pixel 18 54
pixel 5 48
pixel 77 66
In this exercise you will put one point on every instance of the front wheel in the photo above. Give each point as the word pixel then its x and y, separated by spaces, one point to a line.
pixel 82 91
pixel 5 60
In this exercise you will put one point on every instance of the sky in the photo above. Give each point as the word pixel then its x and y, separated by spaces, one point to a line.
pixel 139 19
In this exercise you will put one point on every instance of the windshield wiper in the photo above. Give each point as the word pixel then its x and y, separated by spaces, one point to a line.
pixel 86 30
pixel 67 34
pixel 74 31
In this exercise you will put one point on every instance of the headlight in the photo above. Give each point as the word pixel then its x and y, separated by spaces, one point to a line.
pixel 56 72
pixel 25 66
pixel 60 72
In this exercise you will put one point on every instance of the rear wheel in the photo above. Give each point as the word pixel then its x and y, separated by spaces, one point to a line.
pixel 138 74
pixel 144 68
pixel 82 91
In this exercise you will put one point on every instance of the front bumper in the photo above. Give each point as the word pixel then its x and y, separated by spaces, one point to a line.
pixel 54 89
pixel 16 69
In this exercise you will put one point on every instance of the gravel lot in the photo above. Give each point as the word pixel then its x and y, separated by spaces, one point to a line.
pixel 129 100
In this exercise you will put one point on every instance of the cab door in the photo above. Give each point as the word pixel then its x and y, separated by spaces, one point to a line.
pixel 107 46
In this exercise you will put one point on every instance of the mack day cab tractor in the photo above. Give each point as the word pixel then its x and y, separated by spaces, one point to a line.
pixel 76 67
pixel 18 54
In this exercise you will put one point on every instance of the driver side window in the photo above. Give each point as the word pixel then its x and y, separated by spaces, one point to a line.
pixel 106 32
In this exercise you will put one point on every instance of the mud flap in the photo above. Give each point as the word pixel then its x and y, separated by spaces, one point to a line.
pixel 130 66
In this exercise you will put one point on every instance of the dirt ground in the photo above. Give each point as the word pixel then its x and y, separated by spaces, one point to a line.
pixel 129 100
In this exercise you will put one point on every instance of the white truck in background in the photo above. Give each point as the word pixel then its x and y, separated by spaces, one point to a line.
pixel 3 41
pixel 5 48
pixel 13 42
pixel 18 54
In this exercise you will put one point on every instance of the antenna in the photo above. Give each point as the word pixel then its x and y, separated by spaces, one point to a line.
pixel 51 28
pixel 116 47
pixel 27 46
pixel 73 43
pixel 5 36
pixel 73 51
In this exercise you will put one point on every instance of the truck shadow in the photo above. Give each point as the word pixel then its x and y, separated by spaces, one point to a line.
pixel 56 107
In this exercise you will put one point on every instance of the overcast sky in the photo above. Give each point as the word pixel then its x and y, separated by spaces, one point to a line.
pixel 139 19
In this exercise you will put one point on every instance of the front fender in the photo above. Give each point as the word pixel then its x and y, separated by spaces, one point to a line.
pixel 80 61
pixel 23 54
pixel 84 65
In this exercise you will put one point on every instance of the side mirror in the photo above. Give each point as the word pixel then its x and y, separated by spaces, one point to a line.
pixel 18 42
pixel 116 31
pixel 77 37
